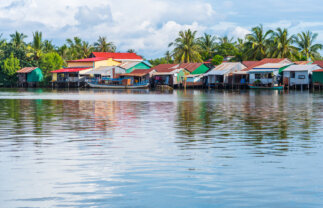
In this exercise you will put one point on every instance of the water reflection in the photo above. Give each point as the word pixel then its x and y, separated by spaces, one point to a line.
pixel 141 148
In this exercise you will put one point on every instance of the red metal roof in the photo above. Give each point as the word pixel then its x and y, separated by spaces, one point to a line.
pixel 117 55
pixel 89 59
pixel 165 67
pixel 265 61
pixel 64 70
pixel 190 66
pixel 320 63
pixel 318 70
pixel 26 70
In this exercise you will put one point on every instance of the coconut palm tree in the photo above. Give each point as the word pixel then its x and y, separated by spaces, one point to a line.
pixel 186 49
pixel 258 43
pixel 3 42
pixel 306 46
pixel 283 44
pixel 37 45
pixel 208 45
pixel 102 45
pixel 17 39
pixel 226 39
pixel 85 49
pixel 131 50
pixel 75 45
pixel 48 46
pixel 63 51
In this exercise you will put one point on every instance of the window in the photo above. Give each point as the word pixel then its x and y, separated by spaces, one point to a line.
pixel 270 75
pixel 257 76
pixel 292 74
pixel 301 76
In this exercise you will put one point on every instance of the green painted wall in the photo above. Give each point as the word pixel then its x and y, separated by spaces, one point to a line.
pixel 201 69
pixel 35 76
pixel 141 65
pixel 317 77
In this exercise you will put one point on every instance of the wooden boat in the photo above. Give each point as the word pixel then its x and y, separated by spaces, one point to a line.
pixel 266 88
pixel 144 86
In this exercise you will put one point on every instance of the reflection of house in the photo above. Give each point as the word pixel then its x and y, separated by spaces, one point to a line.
pixel 298 74
pixel 222 74
pixel 139 76
pixel 29 76
pixel 267 74
pixel 169 74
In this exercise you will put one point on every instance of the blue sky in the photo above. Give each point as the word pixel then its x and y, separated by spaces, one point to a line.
pixel 149 25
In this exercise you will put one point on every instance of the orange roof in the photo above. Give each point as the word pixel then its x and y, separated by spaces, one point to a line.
pixel 320 63
pixel 165 67
pixel 138 72
pixel 302 62
pixel 265 61
pixel 249 63
pixel 318 70
pixel 26 70
pixel 117 56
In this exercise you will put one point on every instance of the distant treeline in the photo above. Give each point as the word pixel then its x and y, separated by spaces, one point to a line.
pixel 15 53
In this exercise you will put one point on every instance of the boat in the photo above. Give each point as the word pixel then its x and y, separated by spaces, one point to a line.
pixel 266 88
pixel 142 86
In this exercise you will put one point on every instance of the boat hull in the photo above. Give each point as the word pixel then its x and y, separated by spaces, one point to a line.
pixel 266 88
pixel 118 86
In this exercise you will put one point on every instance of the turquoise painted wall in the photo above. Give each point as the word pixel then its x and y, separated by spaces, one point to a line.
pixel 141 65
pixel 317 77
pixel 35 76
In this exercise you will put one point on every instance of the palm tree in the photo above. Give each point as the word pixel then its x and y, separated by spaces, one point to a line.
pixel 103 46
pixel 37 45
pixel 168 57
pixel 186 49
pixel 258 43
pixel 131 50
pixel 85 49
pixel 48 46
pixel 305 42
pixel 208 45
pixel 75 45
pixel 226 39
pixel 283 44
pixel 63 51
pixel 3 42
pixel 17 39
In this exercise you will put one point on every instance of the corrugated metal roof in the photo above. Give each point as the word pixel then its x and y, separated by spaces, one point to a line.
pixel 320 63
pixel 302 67
pixel 190 66
pixel 267 60
pixel 249 63
pixel 226 68
pixel 139 72
pixel 271 66
pixel 165 67
pixel 129 64
pixel 26 70
pixel 318 70
pixel 303 62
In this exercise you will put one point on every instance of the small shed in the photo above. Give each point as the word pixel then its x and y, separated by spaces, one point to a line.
pixel 299 74
pixel 222 73
pixel 317 77
pixel 29 76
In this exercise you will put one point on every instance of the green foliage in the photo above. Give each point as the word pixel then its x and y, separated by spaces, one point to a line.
pixel 9 68
pixel 186 48
pixel 217 60
pixel 50 62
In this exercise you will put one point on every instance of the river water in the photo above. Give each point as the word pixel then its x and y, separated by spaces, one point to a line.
pixel 101 148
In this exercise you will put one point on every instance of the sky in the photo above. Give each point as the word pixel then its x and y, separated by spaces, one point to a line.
pixel 148 26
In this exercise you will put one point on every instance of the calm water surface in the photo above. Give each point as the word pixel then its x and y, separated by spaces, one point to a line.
pixel 95 148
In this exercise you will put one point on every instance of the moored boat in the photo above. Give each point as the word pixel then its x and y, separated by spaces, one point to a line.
pixel 266 88
pixel 139 86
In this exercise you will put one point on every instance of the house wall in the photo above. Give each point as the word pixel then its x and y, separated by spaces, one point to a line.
pixel 317 77
pixel 111 62
pixel 80 64
pixel 297 80
pixel 252 79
